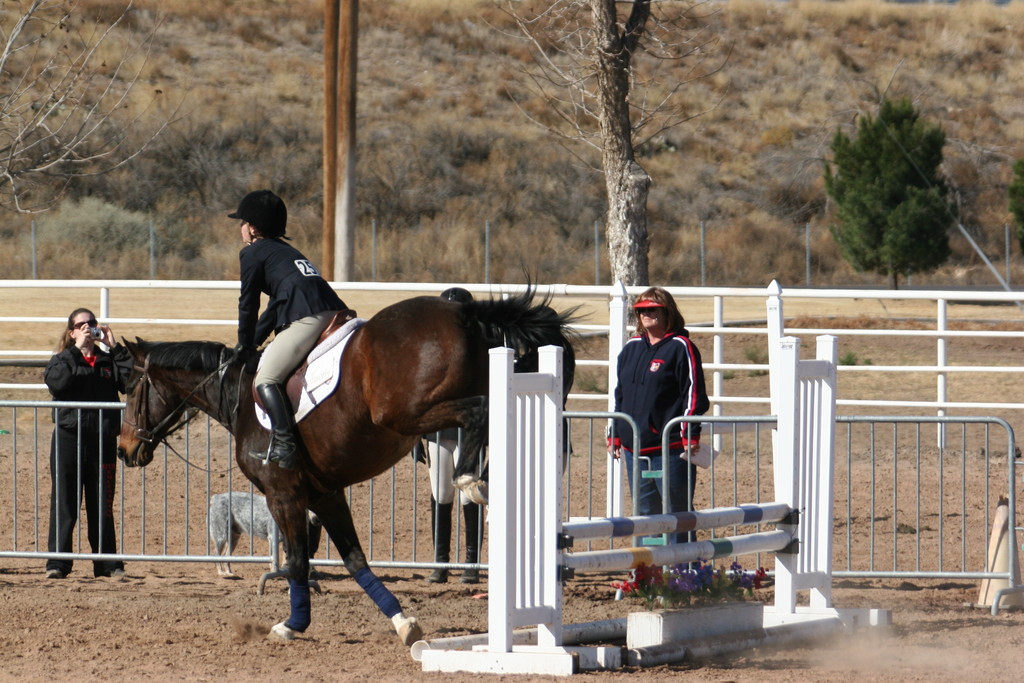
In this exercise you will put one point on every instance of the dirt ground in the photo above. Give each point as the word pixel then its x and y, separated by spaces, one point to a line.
pixel 180 622
pixel 177 622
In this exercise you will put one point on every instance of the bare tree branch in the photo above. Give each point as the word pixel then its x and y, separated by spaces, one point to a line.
pixel 67 89
pixel 613 83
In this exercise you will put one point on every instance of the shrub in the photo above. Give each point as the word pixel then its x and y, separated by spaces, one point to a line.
pixel 95 227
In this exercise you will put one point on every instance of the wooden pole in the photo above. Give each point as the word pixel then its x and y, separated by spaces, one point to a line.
pixel 346 141
pixel 332 9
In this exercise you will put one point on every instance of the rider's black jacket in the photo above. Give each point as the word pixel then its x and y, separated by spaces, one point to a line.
pixel 295 288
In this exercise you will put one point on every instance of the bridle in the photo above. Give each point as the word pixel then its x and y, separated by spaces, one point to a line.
pixel 177 418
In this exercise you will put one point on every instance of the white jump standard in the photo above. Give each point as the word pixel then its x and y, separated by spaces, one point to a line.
pixel 529 554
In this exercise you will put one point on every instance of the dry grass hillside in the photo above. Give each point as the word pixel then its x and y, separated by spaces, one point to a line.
pixel 447 141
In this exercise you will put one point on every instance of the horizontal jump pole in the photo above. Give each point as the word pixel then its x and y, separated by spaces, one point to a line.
pixel 675 522
pixel 629 558
pixel 572 634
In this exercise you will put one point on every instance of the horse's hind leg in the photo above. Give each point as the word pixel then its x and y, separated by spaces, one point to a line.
pixel 336 517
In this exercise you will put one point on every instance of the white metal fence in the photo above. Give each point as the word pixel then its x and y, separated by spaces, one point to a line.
pixel 892 468
pixel 903 507
pixel 959 323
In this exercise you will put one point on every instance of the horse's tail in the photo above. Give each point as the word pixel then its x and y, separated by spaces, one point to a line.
pixel 522 323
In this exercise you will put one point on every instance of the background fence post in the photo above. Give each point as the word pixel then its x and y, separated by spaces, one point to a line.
pixel 941 360
pixel 152 250
pixel 807 251
pixel 35 273
pixel 487 252
pixel 1007 249
pixel 373 250
pixel 703 279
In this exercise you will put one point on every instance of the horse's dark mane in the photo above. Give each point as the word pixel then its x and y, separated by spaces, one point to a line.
pixel 187 355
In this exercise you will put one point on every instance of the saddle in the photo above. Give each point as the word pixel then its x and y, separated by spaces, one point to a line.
pixel 318 375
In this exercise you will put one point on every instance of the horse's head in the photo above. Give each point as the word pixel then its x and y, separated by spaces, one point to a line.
pixel 144 409
pixel 161 389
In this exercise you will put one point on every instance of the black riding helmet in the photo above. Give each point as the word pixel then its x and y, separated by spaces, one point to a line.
pixel 264 211
pixel 457 295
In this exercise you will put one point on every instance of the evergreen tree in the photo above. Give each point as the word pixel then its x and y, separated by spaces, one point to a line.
pixel 1017 200
pixel 893 215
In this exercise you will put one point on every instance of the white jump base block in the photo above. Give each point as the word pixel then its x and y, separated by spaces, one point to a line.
pixel 804 625
pixel 525 659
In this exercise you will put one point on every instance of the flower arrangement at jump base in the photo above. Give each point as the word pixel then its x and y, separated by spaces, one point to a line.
pixel 681 585
pixel 684 603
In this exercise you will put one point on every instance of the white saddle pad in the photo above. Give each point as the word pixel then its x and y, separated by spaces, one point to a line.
pixel 322 372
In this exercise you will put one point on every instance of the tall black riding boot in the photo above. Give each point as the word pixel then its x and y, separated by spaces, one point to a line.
pixel 441 532
pixel 284 440
pixel 471 513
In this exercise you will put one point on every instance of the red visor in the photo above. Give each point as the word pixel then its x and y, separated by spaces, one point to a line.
pixel 647 303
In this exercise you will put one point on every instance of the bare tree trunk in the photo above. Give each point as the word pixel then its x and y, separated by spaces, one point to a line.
pixel 626 182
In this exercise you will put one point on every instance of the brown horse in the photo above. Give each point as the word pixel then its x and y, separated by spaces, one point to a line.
pixel 416 367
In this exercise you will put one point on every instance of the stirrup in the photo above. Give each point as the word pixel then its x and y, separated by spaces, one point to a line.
pixel 285 463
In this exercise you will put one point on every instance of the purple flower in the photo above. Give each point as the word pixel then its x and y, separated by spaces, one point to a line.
pixel 685 584
pixel 682 583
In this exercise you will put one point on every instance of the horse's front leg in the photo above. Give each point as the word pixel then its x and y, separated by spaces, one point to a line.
pixel 336 517
pixel 291 520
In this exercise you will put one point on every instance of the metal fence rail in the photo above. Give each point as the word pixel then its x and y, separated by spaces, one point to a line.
pixel 904 508
pixel 718 316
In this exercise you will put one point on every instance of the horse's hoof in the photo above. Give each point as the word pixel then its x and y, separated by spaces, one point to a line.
pixel 282 632
pixel 410 632
pixel 474 489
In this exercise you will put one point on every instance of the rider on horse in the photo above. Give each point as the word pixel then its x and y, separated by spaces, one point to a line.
pixel 300 308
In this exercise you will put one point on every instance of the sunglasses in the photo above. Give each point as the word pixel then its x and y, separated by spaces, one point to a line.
pixel 85 323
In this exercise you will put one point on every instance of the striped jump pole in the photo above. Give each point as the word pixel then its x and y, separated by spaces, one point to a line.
pixel 629 558
pixel 676 522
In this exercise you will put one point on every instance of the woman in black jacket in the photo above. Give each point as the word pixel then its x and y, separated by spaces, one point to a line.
pixel 300 308
pixel 83 459
pixel 660 377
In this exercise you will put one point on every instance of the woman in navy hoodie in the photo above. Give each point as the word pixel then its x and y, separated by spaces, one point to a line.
pixel 660 377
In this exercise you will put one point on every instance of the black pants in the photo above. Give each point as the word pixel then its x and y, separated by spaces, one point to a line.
pixel 80 469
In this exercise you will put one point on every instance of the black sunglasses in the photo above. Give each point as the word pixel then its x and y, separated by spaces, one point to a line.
pixel 85 323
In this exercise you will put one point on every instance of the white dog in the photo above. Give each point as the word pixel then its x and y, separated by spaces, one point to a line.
pixel 235 513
